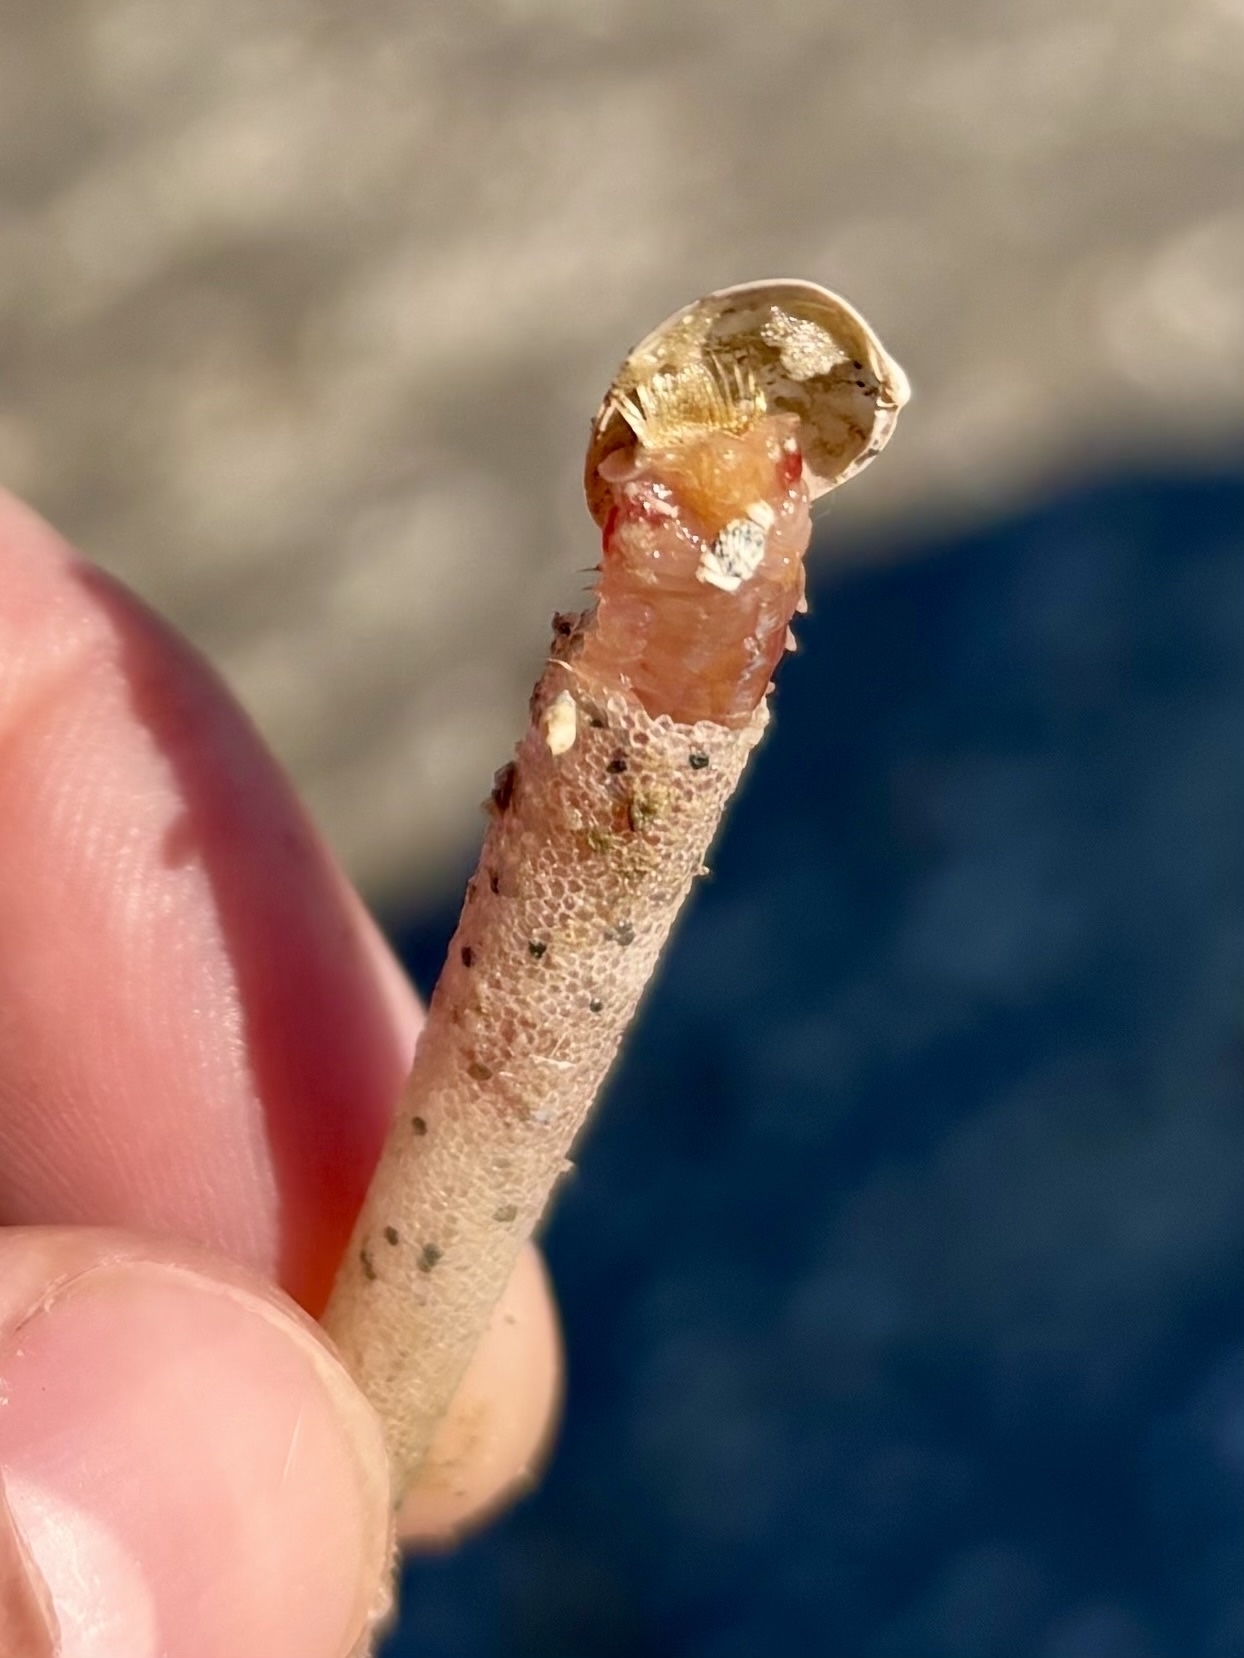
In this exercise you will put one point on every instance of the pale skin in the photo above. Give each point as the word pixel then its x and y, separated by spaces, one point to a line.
pixel 201 1038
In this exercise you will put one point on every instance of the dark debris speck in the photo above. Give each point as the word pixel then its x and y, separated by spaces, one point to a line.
pixel 503 787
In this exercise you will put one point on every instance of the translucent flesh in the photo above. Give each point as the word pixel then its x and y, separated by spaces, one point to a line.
pixel 685 647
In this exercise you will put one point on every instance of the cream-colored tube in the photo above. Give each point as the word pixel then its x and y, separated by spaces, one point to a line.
pixel 718 430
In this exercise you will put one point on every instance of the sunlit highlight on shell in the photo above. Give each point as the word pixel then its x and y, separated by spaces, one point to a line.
pixel 725 361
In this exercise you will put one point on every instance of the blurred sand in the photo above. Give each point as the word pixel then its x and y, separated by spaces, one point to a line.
pixel 303 308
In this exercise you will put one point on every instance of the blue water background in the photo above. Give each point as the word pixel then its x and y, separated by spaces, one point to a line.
pixel 903 1274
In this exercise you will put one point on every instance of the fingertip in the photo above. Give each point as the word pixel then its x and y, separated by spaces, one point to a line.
pixel 188 1467
pixel 208 1030
pixel 491 1446
pixel 19 522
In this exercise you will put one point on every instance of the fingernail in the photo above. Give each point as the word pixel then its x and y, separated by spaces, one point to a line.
pixel 190 1471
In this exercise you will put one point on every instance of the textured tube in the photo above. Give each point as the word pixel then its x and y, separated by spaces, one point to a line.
pixel 715 435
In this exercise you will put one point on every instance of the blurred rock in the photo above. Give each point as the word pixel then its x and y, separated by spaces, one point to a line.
pixel 303 308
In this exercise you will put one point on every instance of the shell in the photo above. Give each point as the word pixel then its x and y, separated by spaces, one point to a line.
pixel 735 354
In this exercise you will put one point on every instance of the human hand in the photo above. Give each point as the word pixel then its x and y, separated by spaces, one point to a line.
pixel 201 1037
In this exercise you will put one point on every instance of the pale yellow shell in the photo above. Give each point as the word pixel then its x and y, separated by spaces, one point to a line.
pixel 722 361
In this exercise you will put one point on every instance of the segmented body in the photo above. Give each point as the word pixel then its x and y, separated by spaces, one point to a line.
pixel 644 718
pixel 701 573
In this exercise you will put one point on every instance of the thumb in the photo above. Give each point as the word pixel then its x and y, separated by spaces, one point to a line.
pixel 187 1469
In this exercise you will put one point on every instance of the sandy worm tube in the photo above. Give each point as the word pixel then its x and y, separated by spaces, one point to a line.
pixel 719 430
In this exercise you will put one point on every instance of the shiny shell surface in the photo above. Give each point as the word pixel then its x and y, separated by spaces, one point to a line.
pixel 730 357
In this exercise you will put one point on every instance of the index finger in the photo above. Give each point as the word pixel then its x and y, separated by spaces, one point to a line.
pixel 202 1032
